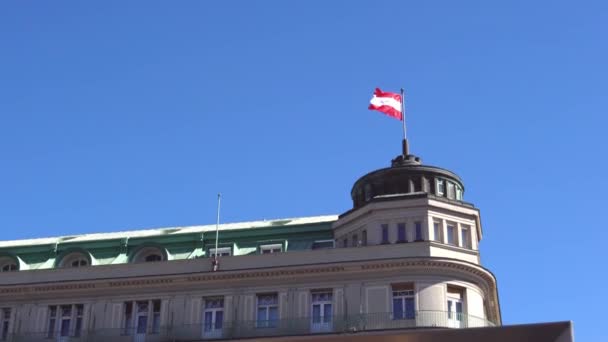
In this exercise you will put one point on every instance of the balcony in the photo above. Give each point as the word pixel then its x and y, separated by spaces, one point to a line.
pixel 282 327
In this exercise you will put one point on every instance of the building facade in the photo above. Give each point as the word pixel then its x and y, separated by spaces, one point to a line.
pixel 405 256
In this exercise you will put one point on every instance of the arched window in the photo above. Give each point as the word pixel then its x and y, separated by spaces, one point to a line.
pixel 74 259
pixel 149 254
pixel 8 264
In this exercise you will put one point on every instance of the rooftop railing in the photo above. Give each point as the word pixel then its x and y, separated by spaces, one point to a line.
pixel 270 328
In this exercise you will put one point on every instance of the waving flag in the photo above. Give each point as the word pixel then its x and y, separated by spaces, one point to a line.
pixel 387 103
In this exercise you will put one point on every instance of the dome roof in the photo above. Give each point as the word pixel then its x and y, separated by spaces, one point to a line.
pixel 407 175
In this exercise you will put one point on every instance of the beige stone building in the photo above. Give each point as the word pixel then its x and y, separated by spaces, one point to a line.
pixel 405 256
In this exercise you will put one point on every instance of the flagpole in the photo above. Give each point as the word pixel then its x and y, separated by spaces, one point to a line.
pixel 404 143
pixel 216 263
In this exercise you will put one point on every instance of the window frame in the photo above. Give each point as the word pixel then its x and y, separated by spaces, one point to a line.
pixel 403 293
pixel 440 188
pixel 267 322
pixel 272 248
pixel 452 234
pixel 438 231
pixel 385 237
pixel 323 323
pixel 401 232
pixel 418 233
pixel 465 236
pixel 56 317
pixel 333 244
pixel 6 318
pixel 221 250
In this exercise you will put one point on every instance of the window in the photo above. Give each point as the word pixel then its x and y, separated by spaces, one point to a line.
pixel 269 249
pixel 268 310
pixel 403 302
pixel 451 230
pixel 74 259
pixel 65 320
pixel 323 244
pixel 345 243
pixel 355 241
pixel 9 267
pixel 149 254
pixel 142 317
pixel 153 258
pixel 458 193
pixel 7 264
pixel 321 310
pixel 213 317
pixel 5 323
pixel 464 236
pixel 455 298
pixel 440 187
pixel 364 237
pixel 384 233
pixel 401 232
pixel 222 251
pixel 437 228
pixel 418 226
pixel 451 192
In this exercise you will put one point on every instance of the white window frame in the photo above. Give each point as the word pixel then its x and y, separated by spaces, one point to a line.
pixel 7 264
pixel 213 331
pixel 453 234
pixel 266 323
pixel 146 252
pixel 5 323
pixel 456 319
pixel 438 230
pixel 465 236
pixel 223 251
pixel 324 323
pixel 73 260
pixel 74 317
pixel 274 248
pixel 440 187
pixel 402 295
pixel 153 317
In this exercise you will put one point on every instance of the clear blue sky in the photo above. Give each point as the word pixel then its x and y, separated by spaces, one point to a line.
pixel 130 115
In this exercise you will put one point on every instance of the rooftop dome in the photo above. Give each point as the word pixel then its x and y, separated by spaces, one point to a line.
pixel 407 175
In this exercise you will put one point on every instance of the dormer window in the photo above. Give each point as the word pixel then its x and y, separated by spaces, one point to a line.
pixel 149 254
pixel 74 259
pixel 458 193
pixel 270 249
pixel 8 264
pixel 451 190
pixel 153 258
pixel 222 251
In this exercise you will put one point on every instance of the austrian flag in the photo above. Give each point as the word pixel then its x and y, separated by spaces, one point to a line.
pixel 387 103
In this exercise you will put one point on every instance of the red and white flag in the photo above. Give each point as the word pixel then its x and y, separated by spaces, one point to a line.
pixel 387 103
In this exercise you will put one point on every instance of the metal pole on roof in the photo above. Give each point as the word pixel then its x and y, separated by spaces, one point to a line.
pixel 215 262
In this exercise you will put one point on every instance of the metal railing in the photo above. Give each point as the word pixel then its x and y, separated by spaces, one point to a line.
pixel 280 327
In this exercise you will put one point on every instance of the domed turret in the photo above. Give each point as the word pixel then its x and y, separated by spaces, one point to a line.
pixel 406 175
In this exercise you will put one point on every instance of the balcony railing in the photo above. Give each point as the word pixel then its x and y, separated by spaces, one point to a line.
pixel 281 327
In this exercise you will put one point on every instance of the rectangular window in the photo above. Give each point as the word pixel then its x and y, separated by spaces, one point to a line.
pixel 437 228
pixel 321 310
pixel 222 251
pixel 451 192
pixel 213 317
pixel 458 193
pixel 323 244
pixel 5 323
pixel 142 317
pixel 401 233
pixel 345 243
pixel 440 187
pixel 403 302
pixel 364 237
pixel 268 310
pixel 65 320
pixel 270 249
pixel 418 226
pixel 451 231
pixel 464 236
pixel 355 240
pixel 455 302
pixel 384 233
